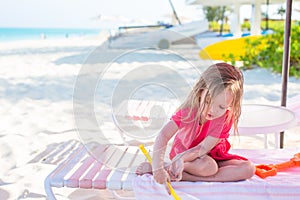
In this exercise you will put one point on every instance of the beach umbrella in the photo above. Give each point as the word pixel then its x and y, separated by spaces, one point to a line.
pixel 286 59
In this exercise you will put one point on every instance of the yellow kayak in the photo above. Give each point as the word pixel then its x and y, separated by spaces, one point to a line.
pixel 218 50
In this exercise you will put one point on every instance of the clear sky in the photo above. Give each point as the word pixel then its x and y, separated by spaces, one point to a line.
pixel 93 13
pixel 80 13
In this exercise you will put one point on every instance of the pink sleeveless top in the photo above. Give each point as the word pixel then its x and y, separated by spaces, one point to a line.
pixel 190 133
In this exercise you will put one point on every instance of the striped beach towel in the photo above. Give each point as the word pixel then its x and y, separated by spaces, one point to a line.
pixel 285 185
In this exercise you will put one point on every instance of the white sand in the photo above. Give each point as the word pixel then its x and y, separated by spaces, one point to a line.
pixel 36 86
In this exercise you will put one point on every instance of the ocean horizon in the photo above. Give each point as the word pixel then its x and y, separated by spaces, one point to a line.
pixel 17 34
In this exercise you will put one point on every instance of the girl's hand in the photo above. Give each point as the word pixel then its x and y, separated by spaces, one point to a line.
pixel 176 168
pixel 161 176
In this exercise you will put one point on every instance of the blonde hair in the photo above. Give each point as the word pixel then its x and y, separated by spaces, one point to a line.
pixel 216 79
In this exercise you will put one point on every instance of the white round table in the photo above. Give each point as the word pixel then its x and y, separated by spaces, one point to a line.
pixel 257 118
pixel 264 119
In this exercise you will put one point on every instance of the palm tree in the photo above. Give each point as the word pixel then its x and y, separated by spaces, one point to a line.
pixel 213 13
pixel 281 12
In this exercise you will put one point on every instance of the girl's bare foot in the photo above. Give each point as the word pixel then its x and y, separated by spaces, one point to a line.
pixel 144 168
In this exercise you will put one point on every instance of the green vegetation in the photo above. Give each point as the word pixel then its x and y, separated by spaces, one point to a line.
pixel 265 51
pixel 273 24
pixel 215 26
pixel 216 13
pixel 271 55
pixel 217 16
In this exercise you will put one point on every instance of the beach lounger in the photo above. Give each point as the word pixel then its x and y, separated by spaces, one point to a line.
pixel 82 170
pixel 112 167
pixel 142 119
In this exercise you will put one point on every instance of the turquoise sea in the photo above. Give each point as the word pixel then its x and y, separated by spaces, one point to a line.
pixel 14 34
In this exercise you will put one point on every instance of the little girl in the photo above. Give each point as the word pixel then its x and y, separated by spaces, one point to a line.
pixel 202 124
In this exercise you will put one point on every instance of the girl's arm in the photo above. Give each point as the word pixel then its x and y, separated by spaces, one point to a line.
pixel 161 141
pixel 202 149
pixel 178 161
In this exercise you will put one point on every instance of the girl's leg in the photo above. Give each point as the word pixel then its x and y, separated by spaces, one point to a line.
pixel 206 169
pixel 204 166
pixel 231 170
